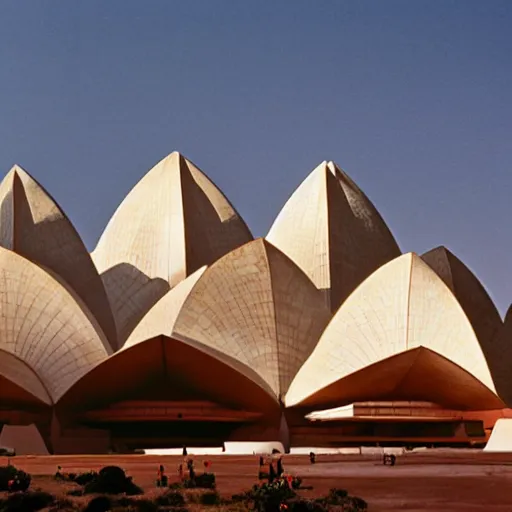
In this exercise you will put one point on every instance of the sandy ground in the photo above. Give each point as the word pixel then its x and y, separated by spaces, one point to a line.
pixel 436 480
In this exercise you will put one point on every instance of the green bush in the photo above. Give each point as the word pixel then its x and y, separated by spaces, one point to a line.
pixel 336 495
pixel 209 498
pixel 99 504
pixel 272 497
pixel 20 480
pixel 112 480
pixel 269 497
pixel 341 498
pixel 302 505
pixel 355 504
pixel 84 478
pixel 28 501
pixel 296 482
pixel 170 499
pixel 201 481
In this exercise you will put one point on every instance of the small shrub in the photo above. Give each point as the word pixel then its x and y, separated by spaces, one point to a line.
pixel 209 498
pixel 296 482
pixel 336 495
pixel 84 478
pixel 302 505
pixel 341 498
pixel 12 479
pixel 189 483
pixel 112 480
pixel 27 501
pixel 193 497
pixel 205 481
pixel 170 499
pixel 99 504
pixel 355 504
pixel 269 497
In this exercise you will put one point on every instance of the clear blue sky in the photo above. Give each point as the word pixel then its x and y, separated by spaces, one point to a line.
pixel 412 98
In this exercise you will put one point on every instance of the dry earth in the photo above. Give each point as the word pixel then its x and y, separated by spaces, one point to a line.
pixel 437 480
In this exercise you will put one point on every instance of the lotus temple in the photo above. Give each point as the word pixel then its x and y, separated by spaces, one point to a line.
pixel 181 329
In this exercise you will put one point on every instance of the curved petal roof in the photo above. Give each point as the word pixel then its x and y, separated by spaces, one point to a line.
pixel 256 306
pixel 418 374
pixel 174 221
pixel 163 368
pixel 161 317
pixel 469 291
pixel 332 231
pixel 33 225
pixel 19 382
pixel 44 325
pixel 402 306
pixel 499 354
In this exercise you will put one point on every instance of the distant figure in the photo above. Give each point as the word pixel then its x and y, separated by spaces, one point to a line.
pixel 161 477
pixel 312 457
pixel 185 453
pixel 262 462
pixel 389 459
pixel 280 469
pixel 180 471
pixel 207 465
pixel 271 473
pixel 190 467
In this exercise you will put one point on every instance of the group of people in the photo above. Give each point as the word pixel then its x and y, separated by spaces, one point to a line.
pixel 189 464
pixel 272 474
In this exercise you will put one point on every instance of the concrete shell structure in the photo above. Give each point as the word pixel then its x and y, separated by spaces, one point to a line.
pixel 332 231
pixel 161 318
pixel 20 385
pixel 469 292
pixel 400 335
pixel 500 361
pixel 174 221
pixel 33 225
pixel 256 306
pixel 221 337
pixel 44 325
pixel 236 312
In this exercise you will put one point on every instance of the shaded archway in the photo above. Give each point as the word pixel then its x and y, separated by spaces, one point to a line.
pixel 169 388
pixel 419 374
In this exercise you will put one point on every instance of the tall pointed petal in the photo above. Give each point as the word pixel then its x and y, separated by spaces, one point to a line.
pixel 470 293
pixel 174 221
pixel 332 231
pixel 33 225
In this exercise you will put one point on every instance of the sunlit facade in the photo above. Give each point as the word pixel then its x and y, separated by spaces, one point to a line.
pixel 182 329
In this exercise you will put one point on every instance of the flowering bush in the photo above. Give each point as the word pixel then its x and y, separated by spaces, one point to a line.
pixel 269 497
pixel 12 479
